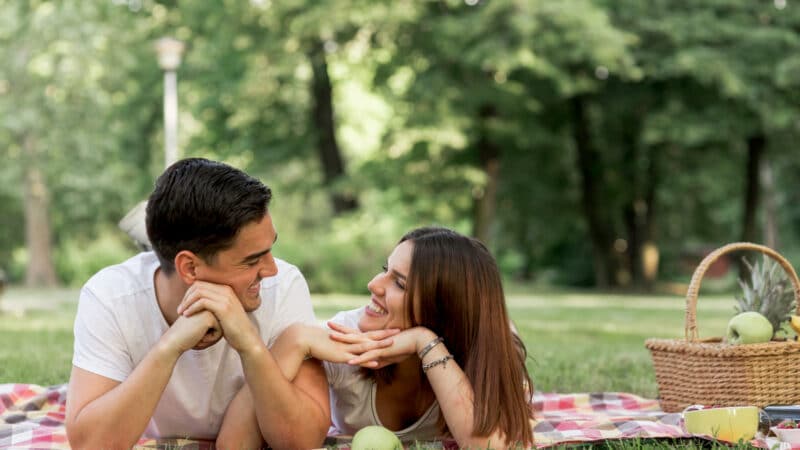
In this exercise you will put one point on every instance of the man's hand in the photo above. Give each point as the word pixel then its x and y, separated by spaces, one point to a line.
pixel 222 301
pixel 198 331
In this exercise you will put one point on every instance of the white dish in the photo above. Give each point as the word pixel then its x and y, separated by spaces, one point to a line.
pixel 789 435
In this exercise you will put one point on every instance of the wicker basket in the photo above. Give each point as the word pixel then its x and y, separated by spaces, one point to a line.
pixel 709 372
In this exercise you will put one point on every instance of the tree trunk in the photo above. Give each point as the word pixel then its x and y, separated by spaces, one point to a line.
pixel 322 117
pixel 755 150
pixel 639 217
pixel 40 271
pixel 588 162
pixel 649 254
pixel 770 210
pixel 528 240
pixel 486 204
pixel 633 211
pixel 489 157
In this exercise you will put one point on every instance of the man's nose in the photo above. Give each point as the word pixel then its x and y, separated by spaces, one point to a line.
pixel 268 268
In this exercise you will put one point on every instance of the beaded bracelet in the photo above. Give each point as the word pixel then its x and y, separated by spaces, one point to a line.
pixel 429 346
pixel 436 362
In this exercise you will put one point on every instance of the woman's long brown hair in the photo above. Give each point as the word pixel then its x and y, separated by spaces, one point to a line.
pixel 455 283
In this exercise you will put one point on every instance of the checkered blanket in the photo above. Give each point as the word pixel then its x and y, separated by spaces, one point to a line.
pixel 563 418
pixel 33 417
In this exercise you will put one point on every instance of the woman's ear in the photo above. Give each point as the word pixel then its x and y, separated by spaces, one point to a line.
pixel 186 263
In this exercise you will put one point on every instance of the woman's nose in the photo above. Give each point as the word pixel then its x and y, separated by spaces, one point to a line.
pixel 375 286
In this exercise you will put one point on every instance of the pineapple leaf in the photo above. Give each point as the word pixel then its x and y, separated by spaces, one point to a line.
pixel 766 291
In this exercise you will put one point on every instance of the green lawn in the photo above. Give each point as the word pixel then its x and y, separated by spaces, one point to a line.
pixel 577 342
pixel 585 342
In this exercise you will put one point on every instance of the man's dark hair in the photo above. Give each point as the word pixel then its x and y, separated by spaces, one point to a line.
pixel 200 206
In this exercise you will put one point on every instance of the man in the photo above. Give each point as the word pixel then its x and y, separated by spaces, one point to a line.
pixel 142 366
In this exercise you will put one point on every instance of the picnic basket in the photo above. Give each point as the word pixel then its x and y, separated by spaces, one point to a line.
pixel 710 372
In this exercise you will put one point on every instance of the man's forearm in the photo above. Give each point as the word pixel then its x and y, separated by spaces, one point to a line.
pixel 287 415
pixel 118 418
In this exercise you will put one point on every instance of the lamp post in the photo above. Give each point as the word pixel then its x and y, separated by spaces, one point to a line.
pixel 169 52
pixel 169 58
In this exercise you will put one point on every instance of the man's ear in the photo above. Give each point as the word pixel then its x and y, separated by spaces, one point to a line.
pixel 186 263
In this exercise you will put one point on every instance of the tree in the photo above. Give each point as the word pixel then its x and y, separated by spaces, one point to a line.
pixel 58 132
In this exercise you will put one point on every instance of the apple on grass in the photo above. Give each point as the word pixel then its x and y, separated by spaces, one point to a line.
pixel 375 437
pixel 749 328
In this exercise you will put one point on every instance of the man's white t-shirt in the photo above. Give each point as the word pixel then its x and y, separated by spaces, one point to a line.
pixel 119 322
pixel 353 397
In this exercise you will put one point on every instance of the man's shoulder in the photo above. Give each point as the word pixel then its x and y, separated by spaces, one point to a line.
pixel 285 267
pixel 287 272
pixel 127 277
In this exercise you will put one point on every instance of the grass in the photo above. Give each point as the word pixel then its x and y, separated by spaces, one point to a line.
pixel 590 342
pixel 577 342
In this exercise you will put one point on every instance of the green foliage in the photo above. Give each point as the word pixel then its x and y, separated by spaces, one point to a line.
pixel 78 259
pixel 424 94
pixel 340 254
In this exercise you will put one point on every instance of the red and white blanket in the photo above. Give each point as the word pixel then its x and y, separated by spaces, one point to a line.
pixel 32 416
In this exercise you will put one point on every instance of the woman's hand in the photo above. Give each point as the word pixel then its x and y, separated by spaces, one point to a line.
pixel 300 341
pixel 402 345
pixel 342 344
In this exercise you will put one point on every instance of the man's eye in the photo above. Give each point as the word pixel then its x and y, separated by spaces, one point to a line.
pixel 385 269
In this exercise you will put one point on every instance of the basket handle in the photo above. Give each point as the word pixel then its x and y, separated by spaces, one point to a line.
pixel 694 286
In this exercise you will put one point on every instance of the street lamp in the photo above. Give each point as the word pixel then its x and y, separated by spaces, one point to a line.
pixel 169 58
pixel 169 52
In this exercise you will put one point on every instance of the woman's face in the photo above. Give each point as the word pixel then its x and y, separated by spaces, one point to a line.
pixel 386 308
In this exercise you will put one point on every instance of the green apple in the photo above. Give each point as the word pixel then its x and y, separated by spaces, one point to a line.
pixel 375 437
pixel 749 328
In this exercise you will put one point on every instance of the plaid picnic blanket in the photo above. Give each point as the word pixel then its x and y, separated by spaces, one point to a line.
pixel 571 418
pixel 32 417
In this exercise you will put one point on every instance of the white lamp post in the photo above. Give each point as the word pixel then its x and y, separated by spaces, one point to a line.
pixel 169 58
pixel 169 52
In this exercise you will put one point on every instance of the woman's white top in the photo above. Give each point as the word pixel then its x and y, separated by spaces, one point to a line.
pixel 353 397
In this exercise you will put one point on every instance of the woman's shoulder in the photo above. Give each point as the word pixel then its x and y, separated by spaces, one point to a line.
pixel 340 374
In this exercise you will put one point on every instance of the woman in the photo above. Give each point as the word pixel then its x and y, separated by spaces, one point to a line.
pixel 432 353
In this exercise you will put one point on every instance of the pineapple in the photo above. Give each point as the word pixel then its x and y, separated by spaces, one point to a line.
pixel 768 292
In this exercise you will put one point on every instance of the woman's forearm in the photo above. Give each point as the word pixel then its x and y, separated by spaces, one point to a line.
pixel 454 393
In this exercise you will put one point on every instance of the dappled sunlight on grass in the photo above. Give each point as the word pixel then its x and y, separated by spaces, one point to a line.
pixel 39 320
pixel 616 301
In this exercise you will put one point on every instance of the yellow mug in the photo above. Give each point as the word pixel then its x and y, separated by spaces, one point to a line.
pixel 728 424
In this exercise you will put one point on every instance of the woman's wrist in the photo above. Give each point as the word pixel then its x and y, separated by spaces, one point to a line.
pixel 424 338
pixel 429 346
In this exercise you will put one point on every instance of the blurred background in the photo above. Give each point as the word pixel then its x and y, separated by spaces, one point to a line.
pixel 606 144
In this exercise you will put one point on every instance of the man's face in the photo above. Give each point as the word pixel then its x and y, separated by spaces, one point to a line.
pixel 245 263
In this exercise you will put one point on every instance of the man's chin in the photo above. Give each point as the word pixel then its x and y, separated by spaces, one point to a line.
pixel 251 303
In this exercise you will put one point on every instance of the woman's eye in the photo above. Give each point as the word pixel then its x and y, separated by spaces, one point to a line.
pixel 399 284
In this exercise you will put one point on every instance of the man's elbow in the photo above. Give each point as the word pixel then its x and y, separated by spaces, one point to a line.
pixel 310 438
pixel 80 438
